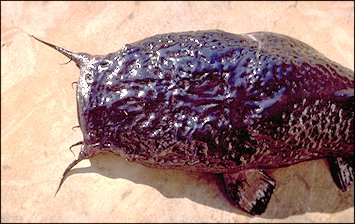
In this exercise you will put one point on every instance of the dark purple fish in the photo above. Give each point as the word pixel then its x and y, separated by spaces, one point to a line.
pixel 216 102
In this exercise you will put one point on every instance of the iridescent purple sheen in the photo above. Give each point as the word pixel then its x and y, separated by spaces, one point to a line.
pixel 216 102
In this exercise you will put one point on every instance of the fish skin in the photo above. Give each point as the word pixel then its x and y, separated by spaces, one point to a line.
pixel 217 102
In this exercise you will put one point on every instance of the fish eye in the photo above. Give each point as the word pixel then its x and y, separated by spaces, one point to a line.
pixel 104 63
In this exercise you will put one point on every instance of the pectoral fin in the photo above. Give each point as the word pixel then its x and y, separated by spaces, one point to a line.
pixel 249 190
pixel 342 171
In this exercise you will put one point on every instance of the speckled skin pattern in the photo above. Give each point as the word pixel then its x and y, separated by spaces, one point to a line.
pixel 216 102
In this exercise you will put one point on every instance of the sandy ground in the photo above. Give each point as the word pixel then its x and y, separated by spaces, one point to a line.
pixel 38 110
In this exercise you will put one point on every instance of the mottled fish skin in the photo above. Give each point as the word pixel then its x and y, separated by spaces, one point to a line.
pixel 221 103
pixel 216 102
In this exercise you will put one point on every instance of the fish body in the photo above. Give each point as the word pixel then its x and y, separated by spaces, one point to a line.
pixel 216 102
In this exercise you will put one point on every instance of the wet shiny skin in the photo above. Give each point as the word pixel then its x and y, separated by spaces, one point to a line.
pixel 216 102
